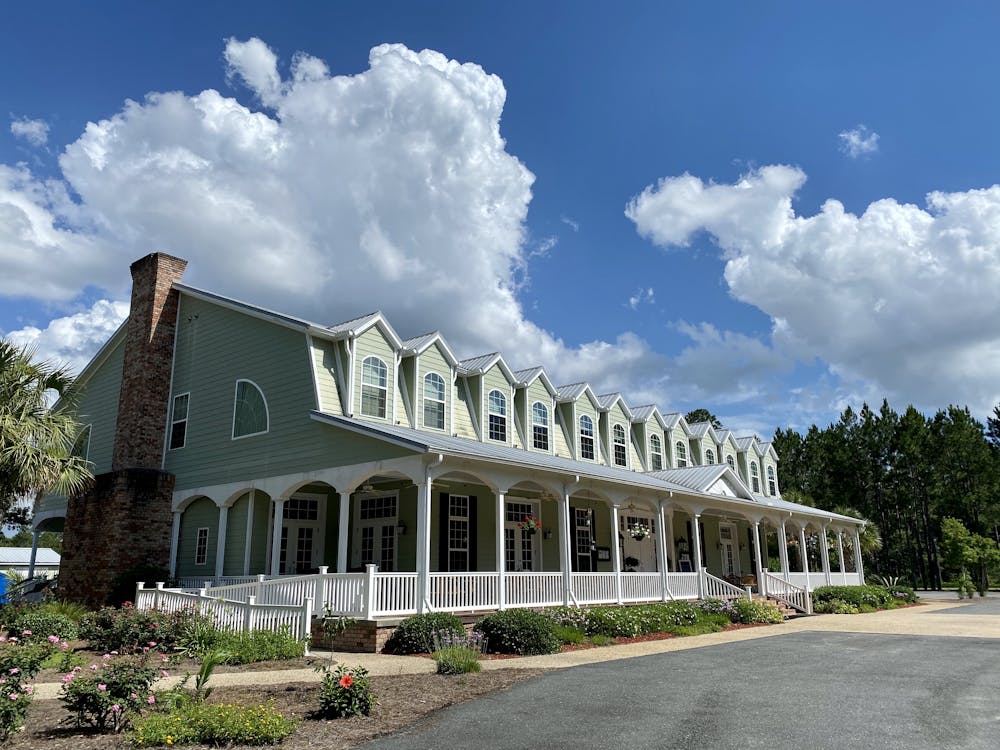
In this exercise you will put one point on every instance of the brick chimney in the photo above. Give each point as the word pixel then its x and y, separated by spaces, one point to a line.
pixel 149 346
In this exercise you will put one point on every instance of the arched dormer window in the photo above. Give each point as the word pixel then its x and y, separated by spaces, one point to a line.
pixel 434 401
pixel 682 454
pixel 709 456
pixel 586 438
pixel 754 477
pixel 539 426
pixel 655 453
pixel 249 410
pixel 621 456
pixel 497 407
pixel 732 462
pixel 772 485
pixel 374 387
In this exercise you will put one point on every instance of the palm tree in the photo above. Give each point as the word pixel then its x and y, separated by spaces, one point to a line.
pixel 36 440
pixel 871 537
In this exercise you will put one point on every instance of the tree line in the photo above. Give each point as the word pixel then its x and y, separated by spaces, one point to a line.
pixel 907 473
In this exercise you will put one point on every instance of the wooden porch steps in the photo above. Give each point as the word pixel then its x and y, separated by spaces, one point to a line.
pixel 788 612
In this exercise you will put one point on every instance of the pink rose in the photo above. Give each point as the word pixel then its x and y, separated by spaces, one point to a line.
pixel 102 687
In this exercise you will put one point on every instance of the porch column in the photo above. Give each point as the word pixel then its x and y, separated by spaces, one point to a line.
pixel 858 565
pixel 825 553
pixel 565 553
pixel 343 524
pixel 279 518
pixel 34 553
pixel 175 533
pixel 696 533
pixel 220 546
pixel 756 556
pixel 666 532
pixel 424 495
pixel 840 555
pixel 616 551
pixel 501 551
pixel 671 545
pixel 248 541
pixel 803 555
pixel 783 549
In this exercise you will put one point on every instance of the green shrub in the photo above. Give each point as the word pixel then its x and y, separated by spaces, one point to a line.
pixel 128 630
pixel 37 622
pixel 198 723
pixel 835 607
pixel 901 592
pixel 863 597
pixel 415 635
pixel 519 631
pixel 748 612
pixel 108 694
pixel 569 634
pixel 258 645
pixel 458 654
pixel 73 610
pixel 20 661
pixel 345 692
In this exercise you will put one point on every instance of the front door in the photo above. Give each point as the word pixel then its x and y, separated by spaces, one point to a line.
pixel 376 517
pixel 637 554
pixel 519 544
pixel 301 533
pixel 730 550
pixel 583 540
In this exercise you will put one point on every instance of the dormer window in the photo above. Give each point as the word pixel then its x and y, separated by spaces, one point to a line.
pixel 621 458
pixel 682 453
pixel 655 453
pixel 586 438
pixel 732 462
pixel 709 456
pixel 772 486
pixel 434 401
pixel 497 404
pixel 374 388
pixel 754 477
pixel 539 426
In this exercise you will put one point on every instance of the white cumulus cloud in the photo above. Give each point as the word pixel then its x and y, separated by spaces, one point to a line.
pixel 35 132
pixel 901 297
pixel 858 141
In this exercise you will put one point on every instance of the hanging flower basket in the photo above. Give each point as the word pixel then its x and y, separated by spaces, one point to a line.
pixel 530 524
pixel 638 531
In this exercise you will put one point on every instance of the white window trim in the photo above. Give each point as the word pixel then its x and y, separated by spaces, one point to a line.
pixel 653 452
pixel 197 537
pixel 322 501
pixel 491 413
pixel 363 385
pixel 267 411
pixel 592 436
pixel 708 452
pixel 356 526
pixel 624 445
pixel 186 420
pixel 754 477
pixel 548 426
pixel 444 402
pixel 678 447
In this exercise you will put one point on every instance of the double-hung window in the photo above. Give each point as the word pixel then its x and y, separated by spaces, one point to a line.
pixel 539 426
pixel 374 387
pixel 434 401
pixel 655 453
pixel 709 456
pixel 179 421
pixel 732 462
pixel 772 486
pixel 682 454
pixel 586 438
pixel 754 477
pixel 621 455
pixel 497 406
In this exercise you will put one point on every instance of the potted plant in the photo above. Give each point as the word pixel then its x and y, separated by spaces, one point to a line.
pixel 530 524
pixel 638 531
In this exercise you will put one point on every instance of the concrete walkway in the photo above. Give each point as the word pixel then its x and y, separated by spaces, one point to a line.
pixel 947 618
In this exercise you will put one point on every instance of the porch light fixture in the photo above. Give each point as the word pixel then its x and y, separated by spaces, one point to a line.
pixel 367 488
pixel 547 534
pixel 401 528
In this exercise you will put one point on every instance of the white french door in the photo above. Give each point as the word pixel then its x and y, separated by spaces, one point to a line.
pixel 302 533
pixel 730 550
pixel 637 554
pixel 520 550
pixel 375 520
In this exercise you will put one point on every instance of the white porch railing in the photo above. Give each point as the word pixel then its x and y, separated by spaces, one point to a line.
pixel 464 592
pixel 642 587
pixel 196 583
pixel 683 585
pixel 533 589
pixel 595 588
pixel 796 597
pixel 717 588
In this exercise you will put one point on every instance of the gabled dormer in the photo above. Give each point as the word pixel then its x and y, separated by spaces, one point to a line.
pixel 534 405
pixel 728 449
pixel 647 432
pixel 703 442
pixel 769 473
pixel 368 349
pixel 427 382
pixel 489 394
pixel 750 463
pixel 676 436
pixel 578 410
pixel 616 432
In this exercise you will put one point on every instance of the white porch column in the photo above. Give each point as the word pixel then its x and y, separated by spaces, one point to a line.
pixel 840 555
pixel 825 553
pixel 220 545
pixel 565 553
pixel 803 555
pixel 616 551
pixel 175 534
pixel 501 550
pixel 756 555
pixel 279 519
pixel 34 553
pixel 343 524
pixel 248 540
pixel 858 565
pixel 423 545
pixel 696 551
pixel 666 532
pixel 671 545
pixel 783 549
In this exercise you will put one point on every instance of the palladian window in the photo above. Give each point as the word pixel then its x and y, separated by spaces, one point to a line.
pixel 374 387
pixel 754 477
pixel 249 410
pixel 655 453
pixel 539 426
pixel 586 438
pixel 497 416
pixel 681 455
pixel 621 458
pixel 434 401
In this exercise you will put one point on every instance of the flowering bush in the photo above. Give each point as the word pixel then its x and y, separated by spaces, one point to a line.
pixel 345 692
pixel 747 611
pixel 42 621
pixel 218 724
pixel 108 694
pixel 458 654
pixel 128 630
pixel 20 661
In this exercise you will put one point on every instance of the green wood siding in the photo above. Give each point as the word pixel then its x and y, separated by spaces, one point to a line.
pixel 584 406
pixel 537 392
pixel 494 379
pixel 326 363
pixel 373 343
pixel 215 347
pixel 202 513
pixel 464 407
pixel 407 385
pixel 236 536
pixel 564 434
pixel 433 361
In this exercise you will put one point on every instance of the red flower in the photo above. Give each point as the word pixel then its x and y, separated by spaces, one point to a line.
pixel 346 681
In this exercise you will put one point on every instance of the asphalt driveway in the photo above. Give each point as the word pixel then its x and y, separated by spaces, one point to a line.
pixel 799 690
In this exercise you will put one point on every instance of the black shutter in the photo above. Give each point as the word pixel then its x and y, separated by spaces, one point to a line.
pixel 574 560
pixel 443 531
pixel 593 539
pixel 701 533
pixel 473 532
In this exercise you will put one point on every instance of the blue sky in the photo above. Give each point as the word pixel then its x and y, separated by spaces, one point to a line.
pixel 713 204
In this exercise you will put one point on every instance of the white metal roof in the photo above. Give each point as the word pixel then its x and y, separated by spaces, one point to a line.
pixel 10 556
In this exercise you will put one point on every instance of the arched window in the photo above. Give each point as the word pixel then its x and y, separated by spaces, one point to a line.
pixel 621 458
pixel 374 387
pixel 732 462
pixel 497 416
pixel 754 477
pixel 81 446
pixel 772 486
pixel 539 426
pixel 709 456
pixel 586 438
pixel 655 453
pixel 249 410
pixel 682 454
pixel 433 401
